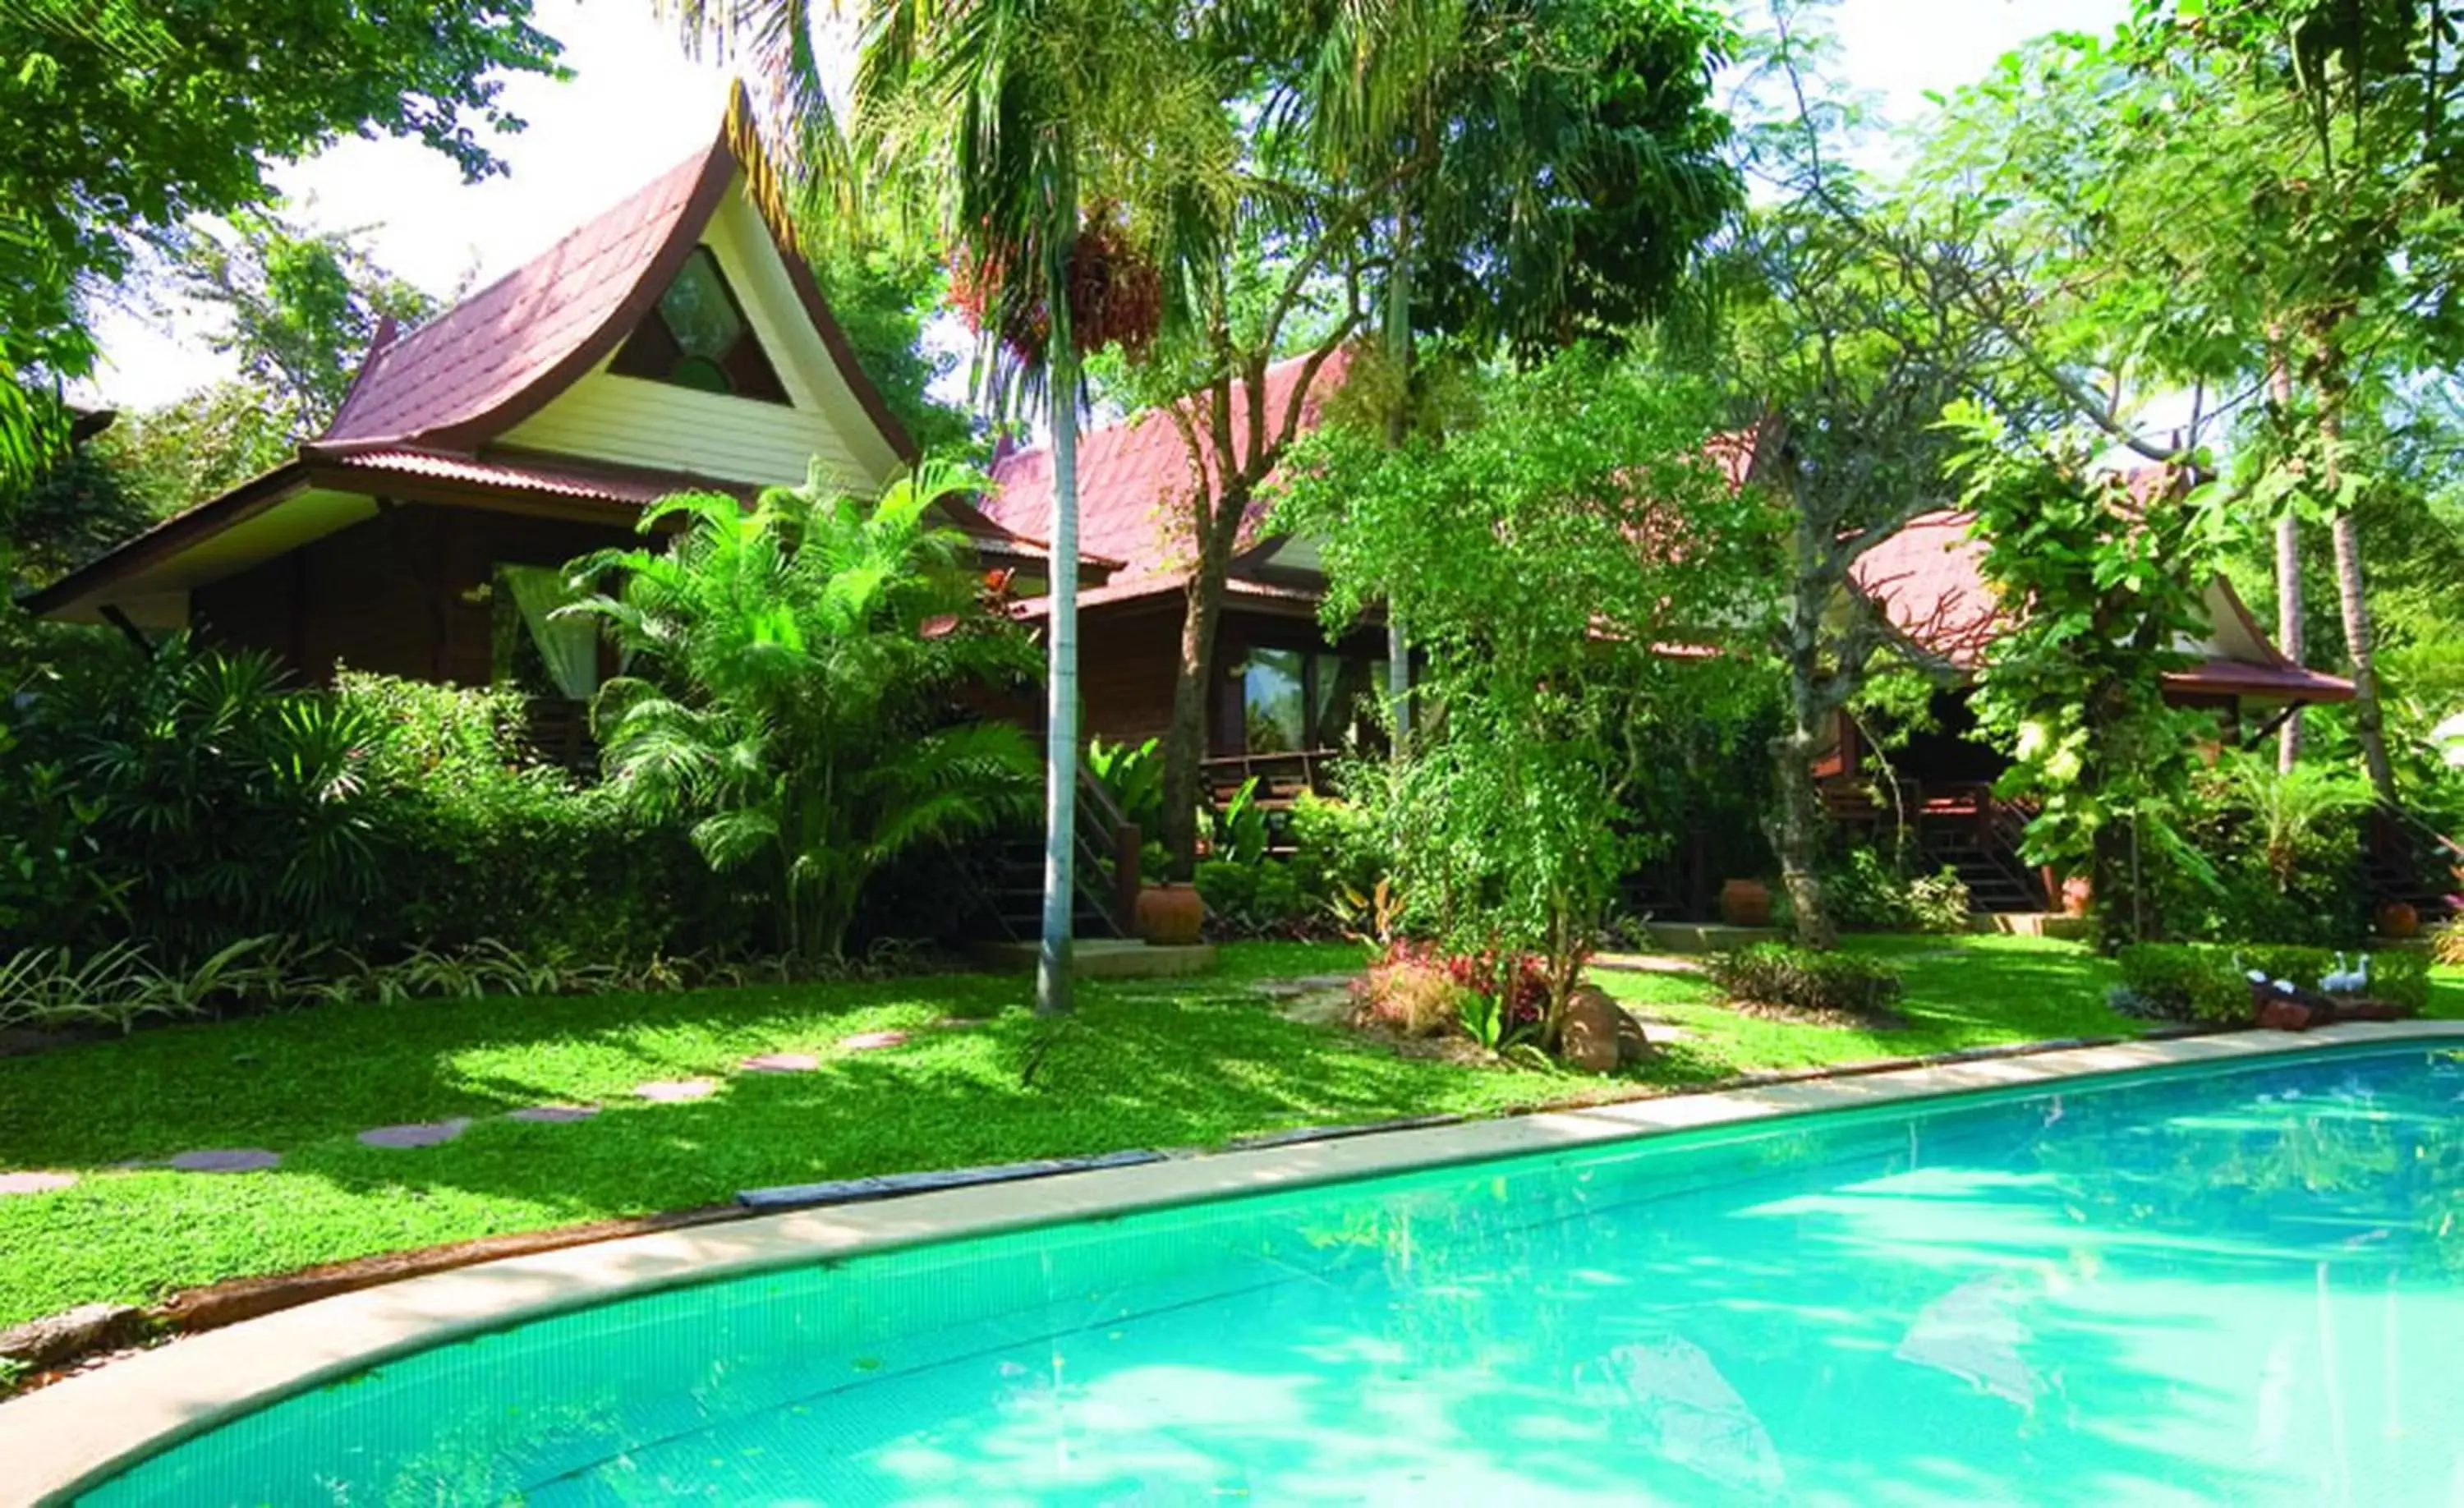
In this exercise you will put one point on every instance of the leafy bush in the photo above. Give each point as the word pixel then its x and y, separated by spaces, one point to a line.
pixel 1509 992
pixel 2208 981
pixel 1867 894
pixel 1802 979
pixel 1261 898
pixel 2447 944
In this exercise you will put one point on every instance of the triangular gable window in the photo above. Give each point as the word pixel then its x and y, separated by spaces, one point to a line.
pixel 696 336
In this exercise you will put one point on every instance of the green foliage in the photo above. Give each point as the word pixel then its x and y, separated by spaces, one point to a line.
pixel 127 117
pixel 2208 981
pixel 1257 898
pixel 2112 576
pixel 1534 558
pixel 2281 855
pixel 1867 893
pixel 1240 826
pixel 203 445
pixel 1132 775
pixel 793 695
pixel 79 507
pixel 1805 980
pixel 301 306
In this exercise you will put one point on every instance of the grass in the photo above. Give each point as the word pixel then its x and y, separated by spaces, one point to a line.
pixel 1167 1064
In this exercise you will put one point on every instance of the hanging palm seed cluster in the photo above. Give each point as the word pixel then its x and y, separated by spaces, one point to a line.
pixel 1116 294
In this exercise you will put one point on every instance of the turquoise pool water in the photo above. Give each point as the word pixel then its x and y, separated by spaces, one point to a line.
pixel 2241 1286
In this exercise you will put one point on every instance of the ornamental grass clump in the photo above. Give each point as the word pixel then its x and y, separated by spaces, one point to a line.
pixel 1800 979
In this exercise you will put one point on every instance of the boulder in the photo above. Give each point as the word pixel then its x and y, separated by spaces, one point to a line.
pixel 2284 1015
pixel 1633 1044
pixel 1589 1043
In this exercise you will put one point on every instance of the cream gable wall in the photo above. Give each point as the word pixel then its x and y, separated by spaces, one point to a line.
pixel 636 422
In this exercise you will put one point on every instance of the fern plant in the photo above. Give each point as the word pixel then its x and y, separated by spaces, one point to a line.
pixel 795 695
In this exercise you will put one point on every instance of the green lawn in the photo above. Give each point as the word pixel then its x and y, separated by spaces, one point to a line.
pixel 1169 1064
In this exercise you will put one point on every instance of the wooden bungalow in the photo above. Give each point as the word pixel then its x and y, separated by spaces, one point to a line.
pixel 678 340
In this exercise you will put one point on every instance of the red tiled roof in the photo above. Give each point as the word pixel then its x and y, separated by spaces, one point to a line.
pixel 487 350
pixel 1133 481
pixel 611 486
pixel 1150 587
pixel 2241 678
pixel 1928 581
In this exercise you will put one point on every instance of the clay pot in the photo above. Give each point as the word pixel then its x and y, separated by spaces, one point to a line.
pixel 1171 915
pixel 2396 919
pixel 2078 893
pixel 1746 903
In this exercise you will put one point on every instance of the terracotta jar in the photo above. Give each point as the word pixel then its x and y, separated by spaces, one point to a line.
pixel 1746 903
pixel 2399 920
pixel 1171 915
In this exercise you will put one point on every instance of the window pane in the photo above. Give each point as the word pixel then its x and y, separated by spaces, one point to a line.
pixel 1271 701
pixel 1345 714
pixel 699 311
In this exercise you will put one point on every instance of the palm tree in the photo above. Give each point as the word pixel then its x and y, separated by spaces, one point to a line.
pixel 990 128
pixel 798 666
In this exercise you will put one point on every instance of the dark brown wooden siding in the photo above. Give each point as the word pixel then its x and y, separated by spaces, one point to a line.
pixel 398 594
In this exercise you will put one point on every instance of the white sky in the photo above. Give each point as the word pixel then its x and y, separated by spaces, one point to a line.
pixel 636 105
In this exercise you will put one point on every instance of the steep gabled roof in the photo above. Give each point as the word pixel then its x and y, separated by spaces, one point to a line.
pixel 501 354
pixel 1133 478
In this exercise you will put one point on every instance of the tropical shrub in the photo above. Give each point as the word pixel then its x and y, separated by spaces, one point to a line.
pixel 796 670
pixel 1867 894
pixel 2447 944
pixel 2209 981
pixel 1803 979
pixel 1260 898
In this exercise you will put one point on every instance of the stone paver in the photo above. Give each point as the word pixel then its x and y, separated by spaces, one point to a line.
pixel 872 1041
pixel 671 1091
pixel 226 1160
pixel 418 1134
pixel 781 1064
pixel 553 1114
pixel 34 1182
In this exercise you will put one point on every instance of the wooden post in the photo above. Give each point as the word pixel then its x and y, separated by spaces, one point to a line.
pixel 1127 841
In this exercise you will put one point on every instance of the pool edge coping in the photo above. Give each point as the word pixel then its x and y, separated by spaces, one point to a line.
pixel 76 1434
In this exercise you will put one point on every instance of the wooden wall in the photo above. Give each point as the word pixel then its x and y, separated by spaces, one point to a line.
pixel 397 594
pixel 1129 656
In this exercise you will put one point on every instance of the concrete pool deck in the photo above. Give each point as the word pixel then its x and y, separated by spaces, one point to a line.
pixel 72 1435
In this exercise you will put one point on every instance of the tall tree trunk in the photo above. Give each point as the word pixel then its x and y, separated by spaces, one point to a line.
pixel 1185 744
pixel 1054 962
pixel 1796 832
pixel 2369 725
pixel 1398 339
pixel 2291 634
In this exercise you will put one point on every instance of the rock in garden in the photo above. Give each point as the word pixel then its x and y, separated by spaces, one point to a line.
pixel 553 1114
pixel 34 1182
pixel 226 1160
pixel 1634 1044
pixel 1589 1043
pixel 870 1042
pixel 73 1332
pixel 418 1134
pixel 671 1091
pixel 781 1064
pixel 2284 1015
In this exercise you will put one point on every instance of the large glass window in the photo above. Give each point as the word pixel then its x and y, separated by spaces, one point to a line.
pixel 1274 705
pixel 696 336
pixel 1294 700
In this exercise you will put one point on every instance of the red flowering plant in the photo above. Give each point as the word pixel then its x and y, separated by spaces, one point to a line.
pixel 1116 291
pixel 1501 998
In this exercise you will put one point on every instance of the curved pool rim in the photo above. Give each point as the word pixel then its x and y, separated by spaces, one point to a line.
pixel 71 1436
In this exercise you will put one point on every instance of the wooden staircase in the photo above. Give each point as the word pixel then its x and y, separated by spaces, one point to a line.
pixel 1008 885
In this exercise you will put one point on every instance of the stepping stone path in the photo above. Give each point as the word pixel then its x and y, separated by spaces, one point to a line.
pixel 872 1041
pixel 554 1114
pixel 226 1160
pixel 33 1183
pixel 419 1134
pixel 671 1091
pixel 781 1064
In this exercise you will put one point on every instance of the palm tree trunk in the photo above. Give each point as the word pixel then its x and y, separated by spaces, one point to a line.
pixel 1398 335
pixel 1796 829
pixel 1052 964
pixel 2370 725
pixel 2290 633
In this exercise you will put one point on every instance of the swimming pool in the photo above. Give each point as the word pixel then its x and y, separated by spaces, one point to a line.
pixel 2230 1284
